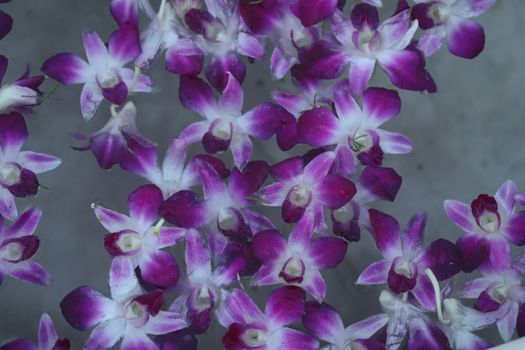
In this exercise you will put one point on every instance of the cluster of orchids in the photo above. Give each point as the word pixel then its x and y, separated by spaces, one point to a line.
pixel 215 207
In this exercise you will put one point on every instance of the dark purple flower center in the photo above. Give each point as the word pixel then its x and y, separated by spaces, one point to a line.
pixel 293 270
pixel 485 211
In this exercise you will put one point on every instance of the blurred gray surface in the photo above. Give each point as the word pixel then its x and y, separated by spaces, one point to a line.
pixel 468 139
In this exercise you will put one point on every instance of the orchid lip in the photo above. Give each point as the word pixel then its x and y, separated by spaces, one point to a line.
pixel 10 174
pixel 11 251
pixel 360 141
pixel 254 337
pixel 227 220
pixel 404 268
pixel 203 298
pixel 293 270
pixel 489 222
pixel 222 130
pixel 107 79
pixel 344 214
pixel 129 242
pixel 499 293
pixel 136 313
pixel 300 195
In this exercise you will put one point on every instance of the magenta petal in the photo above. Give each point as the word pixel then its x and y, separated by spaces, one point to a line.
pixel 244 184
pixel 184 209
pixel 323 322
pixel 160 268
pixel 467 39
pixel 385 230
pixel 108 149
pixel 318 127
pixel 181 61
pixel 360 73
pixel 335 191
pixel 520 324
pixel 365 15
pixel 116 94
pixel 7 204
pixel 265 119
pixel 375 273
pixel 474 249
pixel 380 104
pixel 413 234
pixel 500 255
pixel 444 259
pixel 197 256
pixel 218 69
pixel 124 11
pixel 144 204
pixel 18 344
pixel 399 283
pixel 31 272
pixel 514 230
pixel 406 70
pixel 287 169
pixel 3 66
pixel 327 252
pixel 285 305
pixel 485 303
pixel 314 11
pixel 134 156
pixel 384 183
pixel 195 94
pixel 84 307
pixel 6 24
pixel 13 134
pixel 232 97
pixel 47 335
pixel 294 339
pixel 268 245
pixel 66 68
pixel 124 44
pixel 461 214
pixel 426 335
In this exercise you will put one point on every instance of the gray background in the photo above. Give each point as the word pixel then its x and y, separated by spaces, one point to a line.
pixel 468 139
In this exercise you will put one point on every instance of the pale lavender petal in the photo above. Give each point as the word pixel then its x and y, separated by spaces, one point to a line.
pixel 302 232
pixel 472 289
pixel 431 41
pixel 164 322
pixel 31 272
pixel 505 195
pixel 194 132
pixel 514 229
pixel 111 220
pixel 13 135
pixel 106 334
pixel 280 64
pixel 424 293
pixel 360 73
pixel 241 147
pixel 323 321
pixel 285 305
pixel 394 143
pixel 461 214
pixel 173 164
pixel 67 68
pixel 375 273
pixel 290 339
pixel 25 224
pixel 346 107
pixel 315 285
pixel 169 236
pixel 137 340
pixel 239 307
pixel 273 194
pixel 198 260
pixel 90 99
pixel 37 162
pixel 366 328
pixel 47 335
pixel 122 280
pixel 249 45
pixel 499 252
pixel 96 51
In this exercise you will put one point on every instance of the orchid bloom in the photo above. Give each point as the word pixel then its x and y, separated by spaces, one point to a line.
pixel 172 176
pixel 354 131
pixel 490 223
pixel 204 288
pixel 18 169
pixel 135 238
pixel 324 323
pixel 304 190
pixel 129 315
pixel 109 145
pixel 362 41
pixel 225 125
pixel 128 10
pixel 450 20
pixel 21 94
pixel 297 261
pixel 249 328
pixel 104 75
pixel 498 289
pixel 220 35
pixel 47 339
pixel 405 258
pixel 168 31
pixel 224 207
pixel 18 245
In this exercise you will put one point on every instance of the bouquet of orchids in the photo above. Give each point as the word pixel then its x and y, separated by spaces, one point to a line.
pixel 215 207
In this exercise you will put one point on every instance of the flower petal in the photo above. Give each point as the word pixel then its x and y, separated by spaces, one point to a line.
pixel 238 307
pixel 38 162
pixel 106 334
pixel 461 214
pixel 198 260
pixel 360 73
pixel 287 338
pixel 268 246
pixel 514 229
pixel 164 322
pixel 31 272
pixel 380 105
pixel 47 335
pixel 122 280
pixel 25 224
pixel 285 305
pixel 327 252
pixel 160 269
pixel 385 230
pixel 375 273
pixel 314 11
pixel 466 39
pixel 335 191
pixel 383 183
pixel 184 209
pixel 196 95
pixel 232 97
pixel 90 99
pixel 124 44
pixel 323 321
pixel 13 135
pixel 474 249
pixel 394 143
pixel 144 205
pixel 318 127
pixel 366 328
pixel 67 68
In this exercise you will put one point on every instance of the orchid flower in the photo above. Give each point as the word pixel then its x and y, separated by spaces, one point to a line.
pixel 21 94
pixel 220 35
pixel 490 224
pixel 324 322
pixel 297 261
pixel 109 145
pixel 304 190
pixel 224 207
pixel 405 258
pixel 172 176
pixel 129 316
pixel 204 288
pixel 225 125
pixel 362 41
pixel 248 327
pixel 168 31
pixel 104 75
pixel 450 20
pixel 18 245
pixel 135 238
pixel 18 169
pixel 47 339
pixel 124 11
pixel 354 130
pixel 499 288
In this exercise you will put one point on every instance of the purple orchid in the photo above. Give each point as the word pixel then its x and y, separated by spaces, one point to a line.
pixel 124 11
pixel 17 247
pixel 109 145
pixel 136 239
pixel 168 31
pixel 249 328
pixel 450 20
pixel 490 224
pixel 172 176
pixel 304 190
pixel 224 207
pixel 47 339
pixel 21 94
pixel 220 35
pixel 499 289
pixel 298 260
pixel 225 125
pixel 18 169
pixel 104 75
pixel 129 315
pixel 363 42
pixel 405 258
pixel 354 131
pixel 324 322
